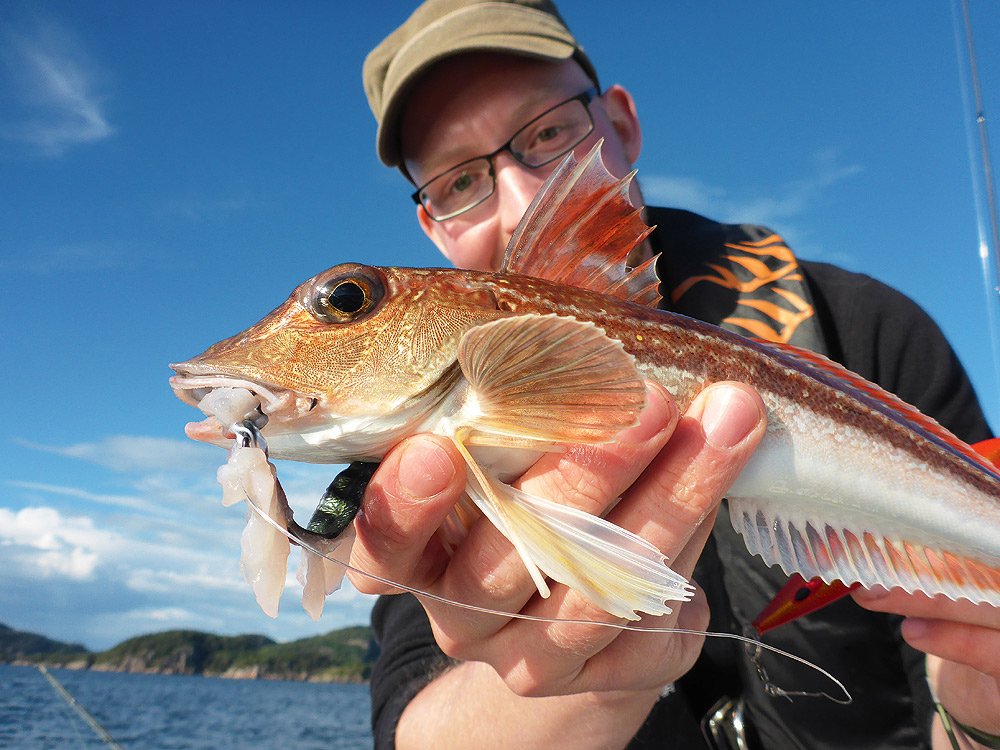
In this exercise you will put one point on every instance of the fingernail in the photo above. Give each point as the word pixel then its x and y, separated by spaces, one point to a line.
pixel 652 419
pixel 915 628
pixel 729 416
pixel 425 469
pixel 871 593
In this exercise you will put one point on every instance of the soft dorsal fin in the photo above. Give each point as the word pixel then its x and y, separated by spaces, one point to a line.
pixel 579 230
pixel 984 457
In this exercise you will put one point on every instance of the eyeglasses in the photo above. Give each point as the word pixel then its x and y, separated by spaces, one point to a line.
pixel 550 135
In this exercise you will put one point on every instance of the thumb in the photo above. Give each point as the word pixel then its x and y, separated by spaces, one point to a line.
pixel 407 500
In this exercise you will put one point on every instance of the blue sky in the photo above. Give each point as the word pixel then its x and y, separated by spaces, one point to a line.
pixel 170 171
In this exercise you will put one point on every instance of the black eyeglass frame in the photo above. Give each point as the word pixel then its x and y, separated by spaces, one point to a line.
pixel 585 98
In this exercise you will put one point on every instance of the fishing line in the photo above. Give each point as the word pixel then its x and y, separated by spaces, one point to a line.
pixel 747 641
pixel 84 714
pixel 981 170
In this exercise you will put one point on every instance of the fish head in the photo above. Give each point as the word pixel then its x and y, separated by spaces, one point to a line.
pixel 354 341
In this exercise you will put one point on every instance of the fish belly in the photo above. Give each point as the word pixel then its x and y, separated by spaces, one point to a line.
pixel 827 500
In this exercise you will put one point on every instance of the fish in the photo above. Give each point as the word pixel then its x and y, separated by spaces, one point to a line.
pixel 848 484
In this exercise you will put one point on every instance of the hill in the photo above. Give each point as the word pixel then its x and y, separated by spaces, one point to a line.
pixel 19 645
pixel 339 656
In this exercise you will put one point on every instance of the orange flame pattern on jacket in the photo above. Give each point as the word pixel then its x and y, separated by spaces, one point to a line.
pixel 766 263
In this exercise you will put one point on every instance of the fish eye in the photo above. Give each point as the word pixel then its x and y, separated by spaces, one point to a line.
pixel 343 299
pixel 347 297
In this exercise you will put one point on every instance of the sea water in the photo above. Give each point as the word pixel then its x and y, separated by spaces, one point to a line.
pixel 179 712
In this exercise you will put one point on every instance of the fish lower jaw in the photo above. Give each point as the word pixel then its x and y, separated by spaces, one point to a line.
pixel 334 439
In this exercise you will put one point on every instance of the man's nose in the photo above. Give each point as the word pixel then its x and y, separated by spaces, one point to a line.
pixel 516 188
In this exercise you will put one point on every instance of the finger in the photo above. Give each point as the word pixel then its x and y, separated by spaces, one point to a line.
pixel 970 696
pixel 406 501
pixel 972 645
pixel 485 569
pixel 684 562
pixel 645 660
pixel 590 477
pixel 921 605
pixel 685 483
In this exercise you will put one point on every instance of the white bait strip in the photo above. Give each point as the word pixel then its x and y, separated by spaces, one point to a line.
pixel 249 475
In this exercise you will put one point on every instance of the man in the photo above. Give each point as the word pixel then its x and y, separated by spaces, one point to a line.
pixel 461 93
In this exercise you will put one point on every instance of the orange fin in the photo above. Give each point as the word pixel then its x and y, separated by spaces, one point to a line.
pixel 798 598
pixel 579 230
pixel 881 400
pixel 989 449
pixel 547 378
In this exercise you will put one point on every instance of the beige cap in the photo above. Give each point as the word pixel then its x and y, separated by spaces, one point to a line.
pixel 441 28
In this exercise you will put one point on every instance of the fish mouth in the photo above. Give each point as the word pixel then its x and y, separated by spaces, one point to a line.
pixel 191 389
pixel 280 406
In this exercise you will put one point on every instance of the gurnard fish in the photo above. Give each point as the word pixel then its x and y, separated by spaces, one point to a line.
pixel 849 483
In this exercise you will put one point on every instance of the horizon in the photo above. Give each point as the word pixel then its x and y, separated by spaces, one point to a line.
pixel 172 172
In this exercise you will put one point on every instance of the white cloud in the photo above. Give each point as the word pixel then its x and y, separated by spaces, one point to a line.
pixel 684 192
pixel 170 615
pixel 784 202
pixel 140 453
pixel 198 209
pixel 79 564
pixel 123 501
pixel 75 258
pixel 162 554
pixel 48 544
pixel 783 208
pixel 54 96
pixel 160 580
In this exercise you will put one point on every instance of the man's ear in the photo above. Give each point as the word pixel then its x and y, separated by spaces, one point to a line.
pixel 620 107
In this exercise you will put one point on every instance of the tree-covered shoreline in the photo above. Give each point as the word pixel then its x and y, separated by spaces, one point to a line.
pixel 344 655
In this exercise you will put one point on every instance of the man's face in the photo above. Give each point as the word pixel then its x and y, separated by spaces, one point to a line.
pixel 470 105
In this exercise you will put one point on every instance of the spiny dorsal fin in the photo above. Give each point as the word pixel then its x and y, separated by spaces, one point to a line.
pixel 579 230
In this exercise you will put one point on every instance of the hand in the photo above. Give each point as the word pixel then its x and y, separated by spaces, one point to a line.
pixel 963 643
pixel 670 471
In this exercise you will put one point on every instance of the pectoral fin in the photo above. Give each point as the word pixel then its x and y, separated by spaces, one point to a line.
pixel 547 379
pixel 538 381
pixel 617 570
